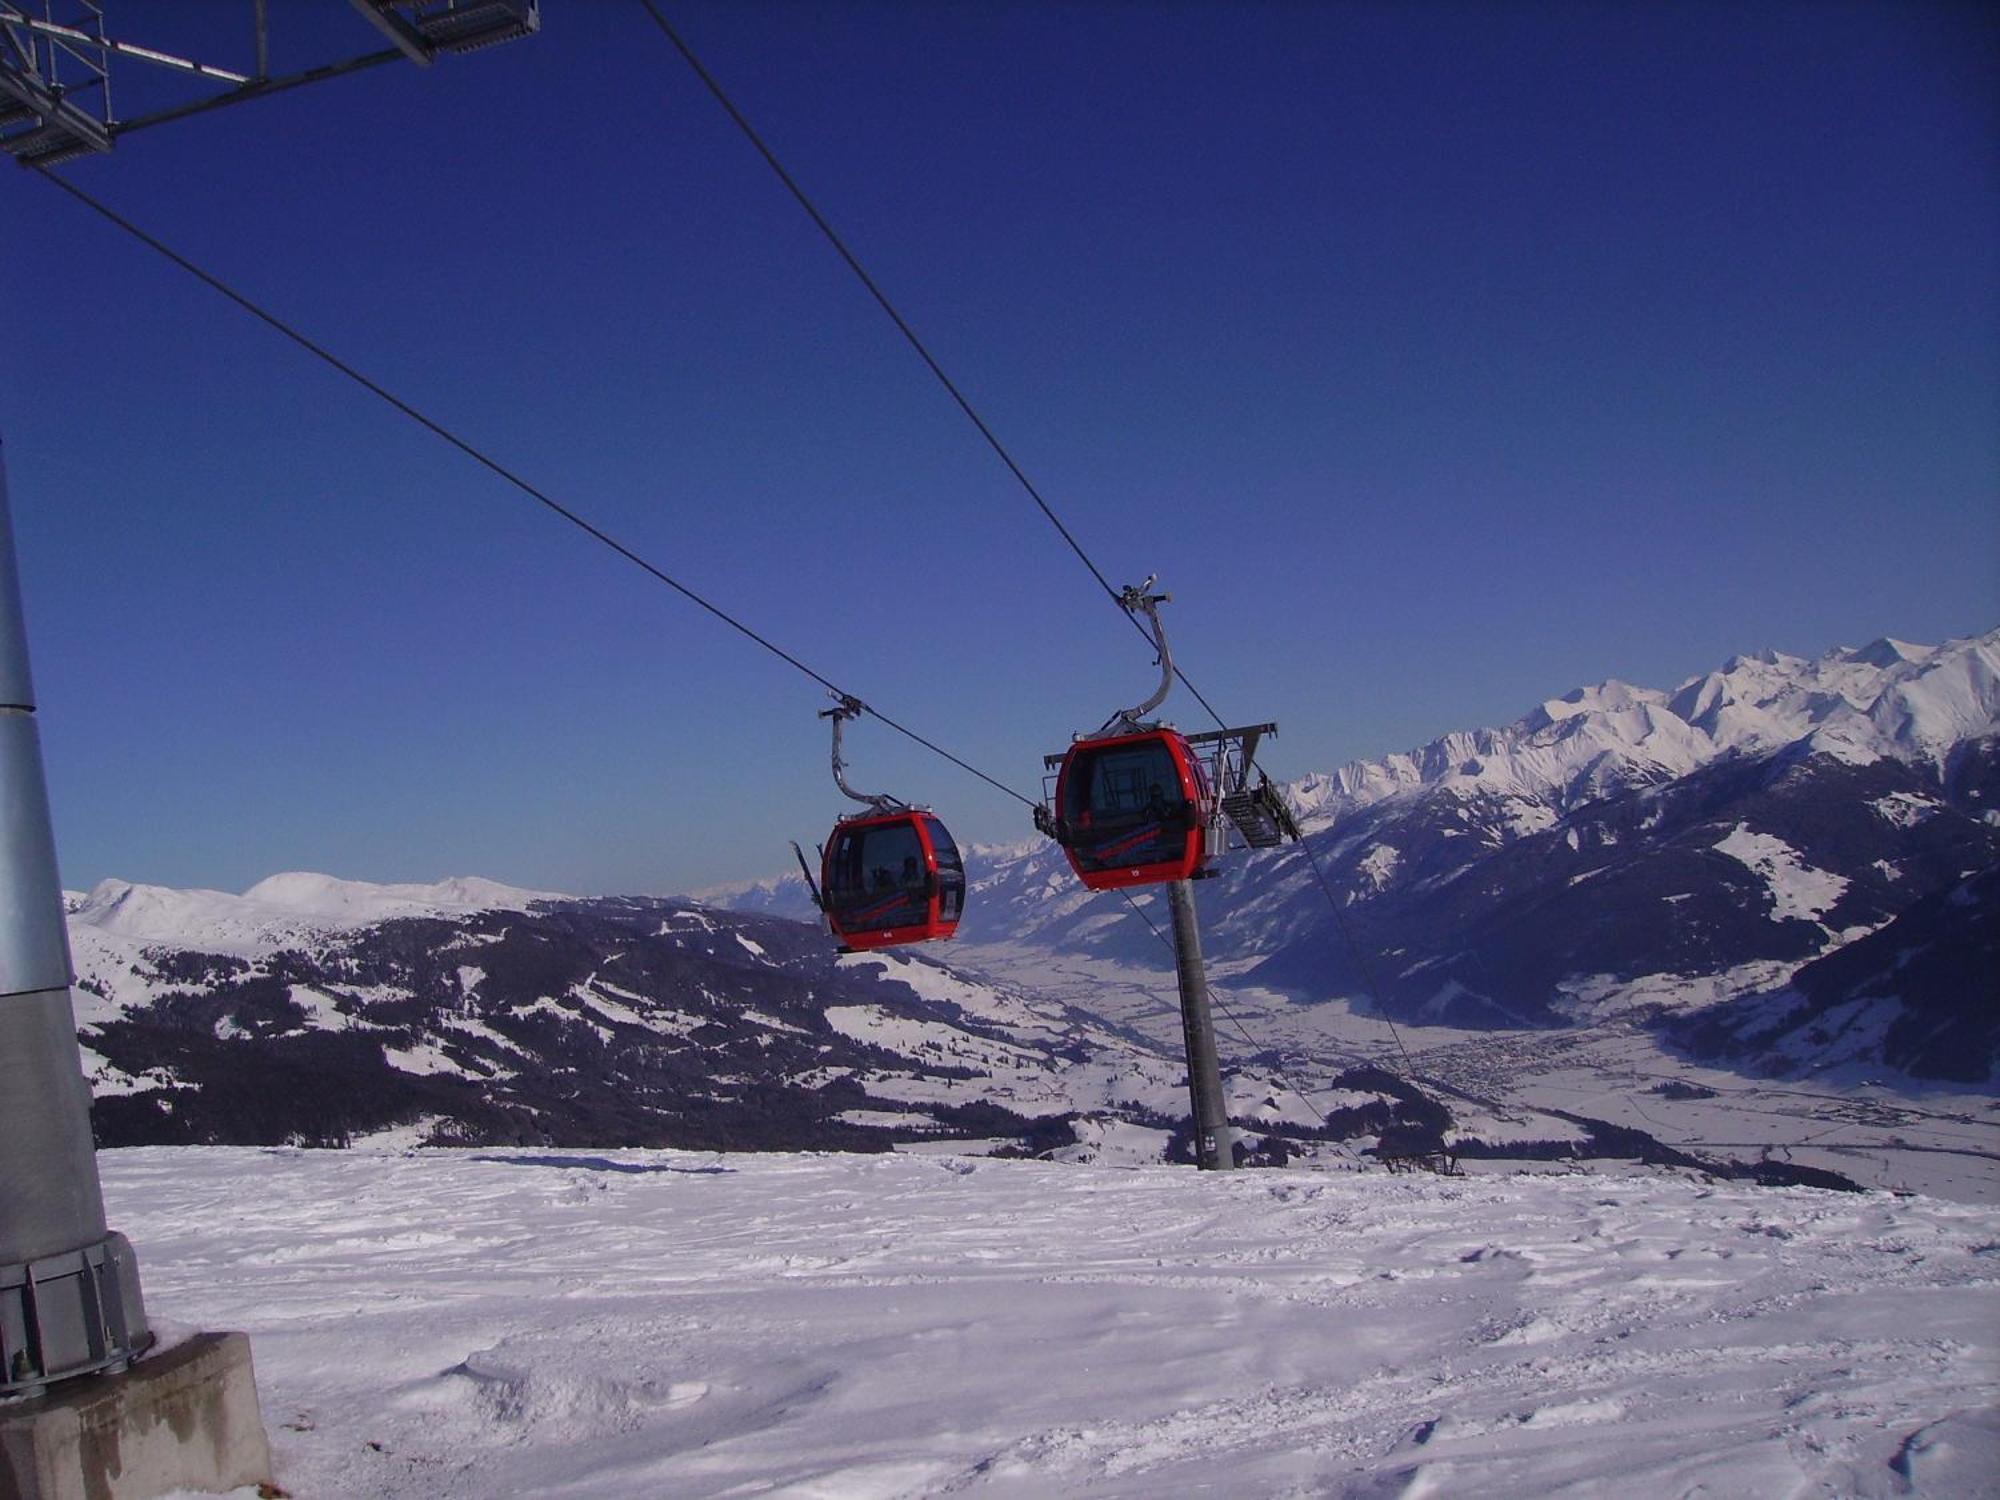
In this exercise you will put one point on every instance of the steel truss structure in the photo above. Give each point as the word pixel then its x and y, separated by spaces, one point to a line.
pixel 57 58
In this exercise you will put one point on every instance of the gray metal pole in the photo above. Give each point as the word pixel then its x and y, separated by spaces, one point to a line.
pixel 69 1289
pixel 1214 1146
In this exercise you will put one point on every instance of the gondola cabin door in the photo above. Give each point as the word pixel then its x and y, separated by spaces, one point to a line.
pixel 1131 809
pixel 891 878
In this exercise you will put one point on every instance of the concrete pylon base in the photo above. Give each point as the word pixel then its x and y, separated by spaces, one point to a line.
pixel 183 1420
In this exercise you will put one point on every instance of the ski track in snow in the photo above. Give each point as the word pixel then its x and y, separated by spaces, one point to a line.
pixel 628 1324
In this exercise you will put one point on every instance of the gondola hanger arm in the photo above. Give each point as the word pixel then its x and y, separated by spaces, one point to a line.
pixel 1137 600
pixel 850 707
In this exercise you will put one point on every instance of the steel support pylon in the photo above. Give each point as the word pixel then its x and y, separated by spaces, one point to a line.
pixel 1214 1145
pixel 69 1288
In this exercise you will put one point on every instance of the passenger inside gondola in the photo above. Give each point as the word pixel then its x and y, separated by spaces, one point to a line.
pixel 1126 805
pixel 863 887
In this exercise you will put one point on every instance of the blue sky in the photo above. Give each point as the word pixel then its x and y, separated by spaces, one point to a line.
pixel 1438 358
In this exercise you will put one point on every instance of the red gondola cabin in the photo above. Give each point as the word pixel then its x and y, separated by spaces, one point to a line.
pixel 891 878
pixel 1130 809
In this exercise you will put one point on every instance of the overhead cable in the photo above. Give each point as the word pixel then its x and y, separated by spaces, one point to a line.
pixel 541 497
pixel 958 396
pixel 875 291
pixel 485 460
pixel 1222 1004
pixel 1360 964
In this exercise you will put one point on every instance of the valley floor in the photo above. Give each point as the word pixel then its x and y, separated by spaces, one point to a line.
pixel 1942 1140
pixel 628 1324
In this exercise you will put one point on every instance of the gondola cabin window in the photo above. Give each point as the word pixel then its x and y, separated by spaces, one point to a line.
pixel 895 879
pixel 950 873
pixel 1131 809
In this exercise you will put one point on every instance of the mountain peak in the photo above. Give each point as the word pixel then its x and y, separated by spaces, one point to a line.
pixel 1767 658
pixel 1886 652
pixel 1608 697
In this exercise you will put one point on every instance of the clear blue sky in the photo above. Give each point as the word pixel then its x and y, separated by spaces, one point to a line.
pixel 1438 357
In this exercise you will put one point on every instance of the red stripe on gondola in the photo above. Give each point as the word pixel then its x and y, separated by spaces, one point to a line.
pixel 1106 851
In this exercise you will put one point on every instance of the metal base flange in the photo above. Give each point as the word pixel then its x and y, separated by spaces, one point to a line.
pixel 76 1313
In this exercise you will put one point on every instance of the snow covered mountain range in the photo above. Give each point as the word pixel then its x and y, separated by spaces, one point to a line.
pixel 312 1011
pixel 1886 701
pixel 1783 863
pixel 1728 831
pixel 1766 813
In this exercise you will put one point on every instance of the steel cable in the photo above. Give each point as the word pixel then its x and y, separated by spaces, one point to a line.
pixel 493 465
pixel 881 298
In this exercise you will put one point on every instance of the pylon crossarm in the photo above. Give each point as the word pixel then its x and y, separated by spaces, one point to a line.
pixel 55 76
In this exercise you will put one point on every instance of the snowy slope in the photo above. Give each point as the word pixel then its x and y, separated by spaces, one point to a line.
pixel 313 1011
pixel 515 1018
pixel 1881 999
pixel 276 912
pixel 631 1325
pixel 651 1022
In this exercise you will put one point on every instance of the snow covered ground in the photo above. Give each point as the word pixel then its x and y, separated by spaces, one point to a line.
pixel 492 1323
